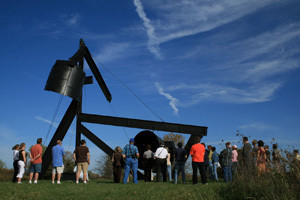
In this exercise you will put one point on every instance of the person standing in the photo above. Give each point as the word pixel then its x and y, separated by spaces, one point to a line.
pixel 148 157
pixel 254 153
pixel 246 151
pixel 36 160
pixel 215 163
pixel 21 162
pixel 227 162
pixel 58 154
pixel 15 163
pixel 81 156
pixel 117 160
pixel 169 165
pixel 210 165
pixel 197 152
pixel 276 155
pixel 180 158
pixel 234 159
pixel 160 156
pixel 131 155
pixel 261 157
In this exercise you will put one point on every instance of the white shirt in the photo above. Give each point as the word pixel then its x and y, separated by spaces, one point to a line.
pixel 161 153
pixel 16 155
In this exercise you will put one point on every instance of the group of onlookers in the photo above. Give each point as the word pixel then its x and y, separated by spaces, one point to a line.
pixel 80 155
pixel 253 158
pixel 20 160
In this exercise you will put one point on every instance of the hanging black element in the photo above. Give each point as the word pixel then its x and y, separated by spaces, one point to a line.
pixel 67 78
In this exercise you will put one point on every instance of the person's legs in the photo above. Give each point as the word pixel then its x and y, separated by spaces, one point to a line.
pixel 182 169
pixel 215 167
pixel 176 172
pixel 225 170
pixel 211 173
pixel 126 170
pixel 21 171
pixel 229 173
pixel 79 169
pixel 16 169
pixel 134 170
pixel 53 174
pixel 169 167
pixel 158 169
pixel 164 169
pixel 202 168
pixel 195 169
pixel 85 171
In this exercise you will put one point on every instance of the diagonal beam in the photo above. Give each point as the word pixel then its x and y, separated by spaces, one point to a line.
pixel 144 124
pixel 99 143
pixel 59 134
pixel 97 74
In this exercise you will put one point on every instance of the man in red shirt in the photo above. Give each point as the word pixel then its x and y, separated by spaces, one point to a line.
pixel 36 160
pixel 197 152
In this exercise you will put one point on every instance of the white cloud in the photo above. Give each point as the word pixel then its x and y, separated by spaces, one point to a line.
pixel 257 126
pixel 197 93
pixel 173 101
pixel 114 51
pixel 182 18
pixel 73 20
pixel 153 44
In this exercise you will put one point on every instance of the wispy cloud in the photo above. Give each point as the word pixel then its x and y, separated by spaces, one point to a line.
pixel 73 20
pixel 50 122
pixel 114 51
pixel 173 101
pixel 257 126
pixel 184 18
pixel 153 44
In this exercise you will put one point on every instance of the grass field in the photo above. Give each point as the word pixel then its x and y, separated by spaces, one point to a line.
pixel 103 189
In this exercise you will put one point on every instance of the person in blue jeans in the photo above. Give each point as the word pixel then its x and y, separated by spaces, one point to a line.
pixel 180 158
pixel 227 162
pixel 131 155
pixel 215 162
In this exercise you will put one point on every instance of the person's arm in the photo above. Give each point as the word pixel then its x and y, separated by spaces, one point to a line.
pixel 137 155
pixel 24 157
pixel 74 156
pixel 88 157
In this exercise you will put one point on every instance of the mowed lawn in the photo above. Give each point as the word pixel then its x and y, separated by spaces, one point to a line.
pixel 103 189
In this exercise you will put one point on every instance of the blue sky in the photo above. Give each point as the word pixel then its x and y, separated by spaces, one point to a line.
pixel 228 65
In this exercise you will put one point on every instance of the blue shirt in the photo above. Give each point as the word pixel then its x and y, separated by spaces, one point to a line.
pixel 129 150
pixel 180 154
pixel 215 157
pixel 57 155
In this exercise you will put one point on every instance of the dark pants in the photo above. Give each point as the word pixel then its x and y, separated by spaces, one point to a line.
pixel 201 167
pixel 148 164
pixel 117 173
pixel 16 170
pixel 161 167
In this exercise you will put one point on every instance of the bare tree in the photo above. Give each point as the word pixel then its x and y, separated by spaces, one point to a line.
pixel 175 138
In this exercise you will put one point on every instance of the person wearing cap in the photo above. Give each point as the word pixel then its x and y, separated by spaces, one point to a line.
pixel 160 156
pixel 131 155
pixel 234 159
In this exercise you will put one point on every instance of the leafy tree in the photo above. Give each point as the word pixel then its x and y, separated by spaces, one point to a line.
pixel 2 165
pixel 69 162
pixel 175 138
pixel 104 167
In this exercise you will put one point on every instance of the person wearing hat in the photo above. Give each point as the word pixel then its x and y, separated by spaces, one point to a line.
pixel 234 159
pixel 131 155
pixel 160 156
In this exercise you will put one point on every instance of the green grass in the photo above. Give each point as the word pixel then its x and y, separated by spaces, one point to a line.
pixel 103 189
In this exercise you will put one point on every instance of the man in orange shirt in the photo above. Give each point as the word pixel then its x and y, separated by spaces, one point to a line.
pixel 36 160
pixel 197 152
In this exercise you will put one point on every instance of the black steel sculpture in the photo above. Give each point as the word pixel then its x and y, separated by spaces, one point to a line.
pixel 68 78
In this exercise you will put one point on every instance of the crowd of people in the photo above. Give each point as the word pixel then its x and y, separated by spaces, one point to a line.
pixel 252 158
